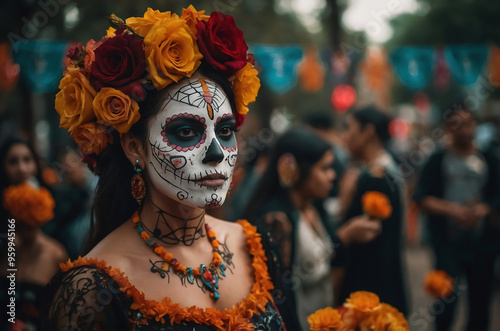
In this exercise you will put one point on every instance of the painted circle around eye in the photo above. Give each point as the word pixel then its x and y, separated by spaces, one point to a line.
pixel 227 142
pixel 171 132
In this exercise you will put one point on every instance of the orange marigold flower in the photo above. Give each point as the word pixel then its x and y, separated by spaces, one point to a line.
pixel 376 204
pixel 363 301
pixel 438 284
pixel 387 318
pixel 327 319
pixel 33 206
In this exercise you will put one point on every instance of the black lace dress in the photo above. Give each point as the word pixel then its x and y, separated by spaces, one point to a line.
pixel 89 295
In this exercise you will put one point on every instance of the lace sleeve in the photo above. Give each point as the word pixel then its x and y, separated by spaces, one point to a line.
pixel 85 298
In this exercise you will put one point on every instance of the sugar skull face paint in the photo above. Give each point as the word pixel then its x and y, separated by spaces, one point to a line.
pixel 192 145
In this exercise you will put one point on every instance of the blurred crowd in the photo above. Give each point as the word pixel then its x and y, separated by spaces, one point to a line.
pixel 304 191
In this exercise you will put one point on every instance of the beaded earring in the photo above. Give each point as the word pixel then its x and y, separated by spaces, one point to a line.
pixel 138 185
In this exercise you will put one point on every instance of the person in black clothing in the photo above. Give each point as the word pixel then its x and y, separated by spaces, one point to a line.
pixel 287 207
pixel 376 266
pixel 458 189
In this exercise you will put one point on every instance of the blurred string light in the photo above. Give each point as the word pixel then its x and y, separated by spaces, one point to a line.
pixel 71 16
pixel 308 12
pixel 373 16
pixel 398 128
pixel 343 97
pixel 280 120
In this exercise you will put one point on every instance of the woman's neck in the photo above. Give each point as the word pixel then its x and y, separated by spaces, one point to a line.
pixel 299 200
pixel 172 223
pixel 372 152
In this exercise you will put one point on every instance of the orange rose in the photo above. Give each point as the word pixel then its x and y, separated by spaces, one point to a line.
pixel 91 137
pixel 192 17
pixel 363 301
pixel 74 100
pixel 376 205
pixel 114 108
pixel 142 25
pixel 90 56
pixel 438 284
pixel 245 88
pixel 33 206
pixel 327 319
pixel 171 51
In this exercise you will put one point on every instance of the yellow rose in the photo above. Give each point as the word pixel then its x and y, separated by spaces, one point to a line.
pixel 114 108
pixel 142 25
pixel 111 32
pixel 192 17
pixel 171 51
pixel 246 86
pixel 92 137
pixel 74 100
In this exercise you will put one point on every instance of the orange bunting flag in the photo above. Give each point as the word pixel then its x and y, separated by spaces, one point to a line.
pixel 311 71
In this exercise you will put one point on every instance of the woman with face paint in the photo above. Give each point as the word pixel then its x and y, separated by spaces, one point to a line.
pixel 162 139
pixel 287 207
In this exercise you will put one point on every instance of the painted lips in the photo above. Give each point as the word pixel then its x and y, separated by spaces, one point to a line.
pixel 213 180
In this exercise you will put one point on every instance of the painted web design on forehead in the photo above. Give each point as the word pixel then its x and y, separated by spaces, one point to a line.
pixel 201 94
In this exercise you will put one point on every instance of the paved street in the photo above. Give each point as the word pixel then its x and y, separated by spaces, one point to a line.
pixel 418 259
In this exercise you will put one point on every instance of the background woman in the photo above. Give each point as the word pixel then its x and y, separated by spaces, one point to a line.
pixel 155 259
pixel 374 266
pixel 300 174
pixel 37 256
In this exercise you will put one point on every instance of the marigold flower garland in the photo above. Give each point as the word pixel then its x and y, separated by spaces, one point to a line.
pixel 33 206
pixel 361 311
pixel 104 81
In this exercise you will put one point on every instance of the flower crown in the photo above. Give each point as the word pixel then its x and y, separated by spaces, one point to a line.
pixel 104 80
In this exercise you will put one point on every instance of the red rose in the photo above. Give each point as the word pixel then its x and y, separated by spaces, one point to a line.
pixel 222 43
pixel 75 53
pixel 120 63
pixel 239 119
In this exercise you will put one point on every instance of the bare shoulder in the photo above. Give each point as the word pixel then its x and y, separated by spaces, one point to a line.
pixel 118 248
pixel 54 251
